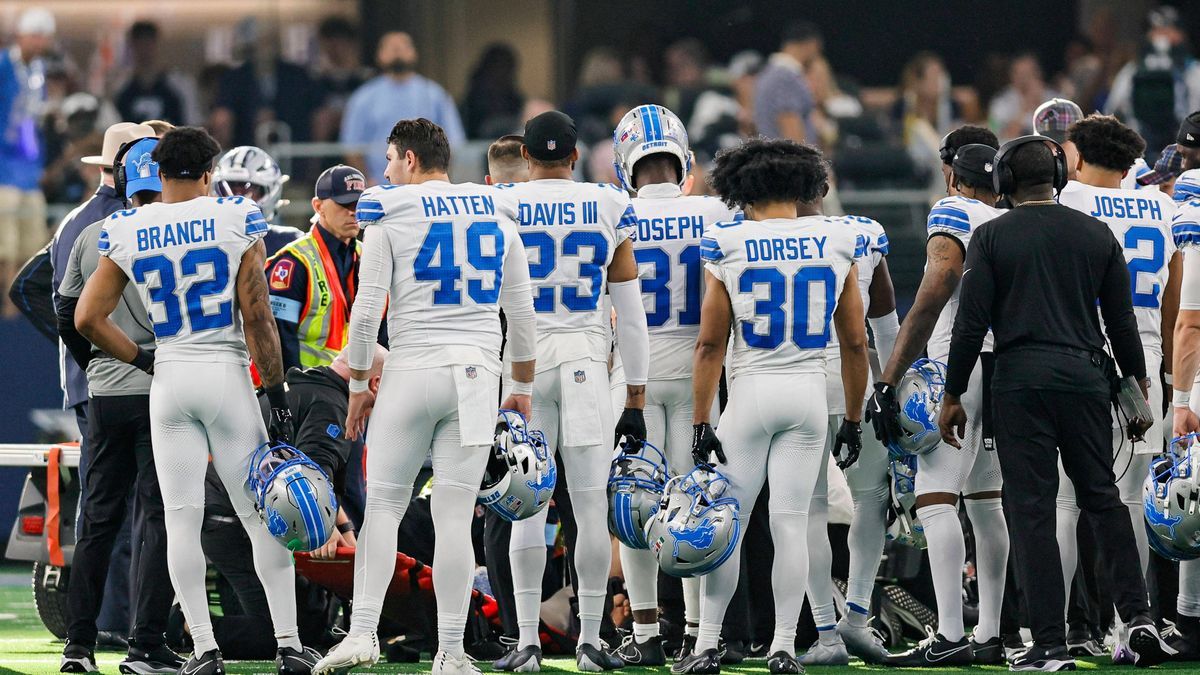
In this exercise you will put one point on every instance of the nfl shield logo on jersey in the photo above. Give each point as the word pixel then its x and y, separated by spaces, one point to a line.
pixel 580 376
pixel 472 373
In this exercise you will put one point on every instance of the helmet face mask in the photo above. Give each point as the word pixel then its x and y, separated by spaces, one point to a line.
pixel 648 130
pixel 903 524
pixel 635 486
pixel 919 395
pixel 1171 501
pixel 520 475
pixel 293 496
pixel 250 172
pixel 696 527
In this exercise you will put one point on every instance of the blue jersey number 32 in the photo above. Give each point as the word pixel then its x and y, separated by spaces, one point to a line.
pixel 193 264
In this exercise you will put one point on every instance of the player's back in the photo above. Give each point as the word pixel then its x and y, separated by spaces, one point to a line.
pixel 957 217
pixel 870 246
pixel 1141 222
pixel 184 259
pixel 784 277
pixel 570 231
pixel 446 244
pixel 667 248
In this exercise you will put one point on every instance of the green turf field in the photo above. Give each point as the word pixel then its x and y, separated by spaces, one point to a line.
pixel 26 647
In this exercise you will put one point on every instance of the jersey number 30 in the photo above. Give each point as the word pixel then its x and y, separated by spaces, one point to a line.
pixel 164 293
pixel 811 288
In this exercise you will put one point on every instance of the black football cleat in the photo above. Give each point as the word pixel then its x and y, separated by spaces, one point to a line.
pixel 707 662
pixel 1044 660
pixel 647 654
pixel 1147 646
pixel 144 662
pixel 290 661
pixel 988 652
pixel 590 659
pixel 208 663
pixel 783 663
pixel 77 659
pixel 527 660
pixel 935 651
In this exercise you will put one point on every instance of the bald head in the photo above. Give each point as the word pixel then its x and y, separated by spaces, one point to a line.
pixel 341 366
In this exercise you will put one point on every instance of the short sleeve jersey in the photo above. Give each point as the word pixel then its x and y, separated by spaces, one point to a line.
pixel 784 277
pixel 571 231
pixel 1141 222
pixel 184 259
pixel 448 243
pixel 957 217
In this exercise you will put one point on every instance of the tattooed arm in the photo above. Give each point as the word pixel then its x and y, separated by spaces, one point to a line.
pixel 943 270
pixel 262 337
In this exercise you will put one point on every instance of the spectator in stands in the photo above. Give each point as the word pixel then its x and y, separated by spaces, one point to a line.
pixel 265 99
pixel 1011 112
pixel 831 103
pixel 687 66
pixel 493 104
pixel 601 87
pixel 150 92
pixel 783 101
pixel 1155 92
pixel 925 111
pixel 398 93
pixel 743 70
pixel 22 89
pixel 339 72
pixel 76 134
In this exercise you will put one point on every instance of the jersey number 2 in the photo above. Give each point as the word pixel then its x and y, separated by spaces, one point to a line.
pixel 164 293
pixel 809 331
pixel 1140 265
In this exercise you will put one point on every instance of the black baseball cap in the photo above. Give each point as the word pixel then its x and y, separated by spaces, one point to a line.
pixel 343 184
pixel 1189 131
pixel 550 136
pixel 973 164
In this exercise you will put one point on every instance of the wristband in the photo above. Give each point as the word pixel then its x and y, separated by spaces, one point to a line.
pixel 521 388
pixel 144 360
pixel 277 396
pixel 358 386
pixel 345 527
pixel 1181 399
pixel 1168 379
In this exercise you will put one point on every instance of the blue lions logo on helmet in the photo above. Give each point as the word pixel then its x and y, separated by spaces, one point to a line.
pixel 545 482
pixel 917 408
pixel 699 537
pixel 276 525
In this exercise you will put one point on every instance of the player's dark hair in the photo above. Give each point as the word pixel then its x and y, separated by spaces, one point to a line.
pixel 663 161
pixel 336 27
pixel 1103 141
pixel 1032 164
pixel 506 149
pixel 564 163
pixel 769 170
pixel 143 30
pixel 185 153
pixel 800 31
pixel 966 135
pixel 426 140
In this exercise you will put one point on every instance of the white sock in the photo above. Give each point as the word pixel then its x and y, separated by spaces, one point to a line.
pixel 857 615
pixel 1066 529
pixel 593 558
pixel 947 553
pixel 273 563
pixel 991 562
pixel 1188 602
pixel 528 596
pixel 692 629
pixel 453 507
pixel 820 560
pixel 865 542
pixel 641 578
pixel 716 589
pixel 789 531
pixel 375 560
pixel 187 569
pixel 644 631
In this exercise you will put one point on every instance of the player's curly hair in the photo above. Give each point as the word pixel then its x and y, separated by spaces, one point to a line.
pixel 1103 141
pixel 769 170
pixel 185 153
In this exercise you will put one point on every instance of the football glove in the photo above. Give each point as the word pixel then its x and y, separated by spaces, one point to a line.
pixel 883 412
pixel 280 428
pixel 705 443
pixel 849 436
pixel 632 425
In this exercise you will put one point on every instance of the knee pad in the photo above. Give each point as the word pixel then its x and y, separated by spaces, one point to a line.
pixel 388 497
pixel 528 534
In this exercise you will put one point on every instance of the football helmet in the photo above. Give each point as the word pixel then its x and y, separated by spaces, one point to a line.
pixel 647 130
pixel 696 527
pixel 248 171
pixel 635 486
pixel 919 396
pixel 293 496
pixel 520 475
pixel 1171 501
pixel 903 524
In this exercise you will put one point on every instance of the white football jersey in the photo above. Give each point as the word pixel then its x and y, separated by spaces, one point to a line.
pixel 958 217
pixel 448 244
pixel 570 231
pixel 1141 222
pixel 667 247
pixel 870 247
pixel 184 259
pixel 1185 230
pixel 784 277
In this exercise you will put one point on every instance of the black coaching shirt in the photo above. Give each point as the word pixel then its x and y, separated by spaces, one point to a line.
pixel 1035 276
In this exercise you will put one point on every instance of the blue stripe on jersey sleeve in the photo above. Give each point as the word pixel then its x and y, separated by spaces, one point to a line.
pixel 738 216
pixel 1186 233
pixel 103 245
pixel 881 244
pixel 710 250
pixel 946 216
pixel 255 223
pixel 1184 192
pixel 369 211
pixel 628 219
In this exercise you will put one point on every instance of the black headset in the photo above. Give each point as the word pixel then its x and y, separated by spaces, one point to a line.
pixel 119 179
pixel 1003 179
pixel 945 152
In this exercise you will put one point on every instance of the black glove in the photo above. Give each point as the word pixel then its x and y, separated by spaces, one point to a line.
pixel 849 436
pixel 144 360
pixel 705 443
pixel 632 425
pixel 280 428
pixel 883 412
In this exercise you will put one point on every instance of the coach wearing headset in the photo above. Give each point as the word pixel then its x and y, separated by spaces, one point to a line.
pixel 1034 275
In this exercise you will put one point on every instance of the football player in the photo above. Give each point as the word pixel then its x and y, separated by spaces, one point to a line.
pixel 250 172
pixel 578 239
pixel 443 259
pixel 947 472
pixel 779 282
pixel 197 263
pixel 1141 222
pixel 653 160
pixel 867 475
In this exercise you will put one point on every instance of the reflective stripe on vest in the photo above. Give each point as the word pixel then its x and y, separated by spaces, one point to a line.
pixel 324 321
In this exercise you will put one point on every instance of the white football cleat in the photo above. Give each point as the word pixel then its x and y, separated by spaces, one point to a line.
pixel 863 642
pixel 354 650
pixel 820 654
pixel 444 664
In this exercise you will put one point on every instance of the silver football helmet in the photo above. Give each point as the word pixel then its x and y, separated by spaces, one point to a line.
pixel 919 395
pixel 250 172
pixel 635 486
pixel 647 130
pixel 520 475
pixel 293 497
pixel 696 527
pixel 903 524
pixel 1171 501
